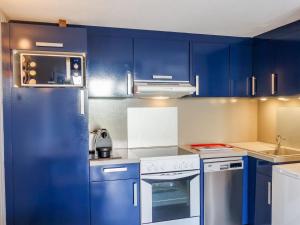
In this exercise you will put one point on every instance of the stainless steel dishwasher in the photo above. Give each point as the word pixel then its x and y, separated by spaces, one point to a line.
pixel 223 185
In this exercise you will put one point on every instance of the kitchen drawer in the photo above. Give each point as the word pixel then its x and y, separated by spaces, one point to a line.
pixel 114 172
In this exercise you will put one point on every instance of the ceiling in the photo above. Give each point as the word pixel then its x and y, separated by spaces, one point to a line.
pixel 245 18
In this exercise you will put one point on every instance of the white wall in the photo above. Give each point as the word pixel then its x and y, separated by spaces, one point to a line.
pixel 2 187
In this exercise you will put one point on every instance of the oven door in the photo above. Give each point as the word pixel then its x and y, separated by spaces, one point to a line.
pixel 170 196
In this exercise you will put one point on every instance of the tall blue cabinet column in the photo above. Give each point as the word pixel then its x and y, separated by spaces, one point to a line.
pixel 45 139
pixel 50 157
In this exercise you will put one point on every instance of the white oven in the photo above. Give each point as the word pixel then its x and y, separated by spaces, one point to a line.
pixel 171 198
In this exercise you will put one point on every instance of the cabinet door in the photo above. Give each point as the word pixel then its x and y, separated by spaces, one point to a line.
pixel 287 67
pixel 263 200
pixel 50 158
pixel 263 66
pixel 240 69
pixel 47 38
pixel 210 62
pixel 115 202
pixel 156 59
pixel 109 65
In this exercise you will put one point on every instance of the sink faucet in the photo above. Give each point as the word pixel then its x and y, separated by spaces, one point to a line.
pixel 279 139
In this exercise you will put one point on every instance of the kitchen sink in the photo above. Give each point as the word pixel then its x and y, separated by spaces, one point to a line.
pixel 281 152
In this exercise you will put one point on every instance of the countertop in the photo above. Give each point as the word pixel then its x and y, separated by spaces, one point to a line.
pixel 123 156
pixel 255 149
pixel 222 154
pixel 119 156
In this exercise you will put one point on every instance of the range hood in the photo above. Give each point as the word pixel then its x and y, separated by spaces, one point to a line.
pixel 162 90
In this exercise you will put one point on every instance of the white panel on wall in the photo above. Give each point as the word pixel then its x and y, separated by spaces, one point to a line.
pixel 152 126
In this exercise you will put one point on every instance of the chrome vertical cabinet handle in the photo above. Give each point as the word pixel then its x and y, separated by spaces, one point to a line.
pixel 135 194
pixel 269 193
pixel 253 86
pixel 82 102
pixel 197 85
pixel 274 83
pixel 129 83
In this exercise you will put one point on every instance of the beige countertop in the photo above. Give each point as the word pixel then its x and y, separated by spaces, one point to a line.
pixel 216 154
pixel 255 149
pixel 119 156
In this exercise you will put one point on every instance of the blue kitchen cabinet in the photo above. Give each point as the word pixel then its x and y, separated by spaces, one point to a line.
pixel 115 194
pixel 210 63
pixel 109 65
pixel 240 70
pixel 287 67
pixel 112 202
pixel 50 157
pixel 47 37
pixel 264 55
pixel 161 59
pixel 263 205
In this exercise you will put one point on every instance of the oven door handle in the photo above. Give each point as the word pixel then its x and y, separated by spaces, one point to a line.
pixel 170 176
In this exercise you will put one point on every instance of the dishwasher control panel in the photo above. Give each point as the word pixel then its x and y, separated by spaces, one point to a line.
pixel 223 165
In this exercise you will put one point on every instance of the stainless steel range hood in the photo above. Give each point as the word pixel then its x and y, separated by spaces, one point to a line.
pixel 162 90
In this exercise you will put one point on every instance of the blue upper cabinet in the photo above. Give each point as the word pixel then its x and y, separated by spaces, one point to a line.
pixel 210 69
pixel 240 70
pixel 109 65
pixel 263 66
pixel 161 59
pixel 276 60
pixel 287 77
pixel 47 38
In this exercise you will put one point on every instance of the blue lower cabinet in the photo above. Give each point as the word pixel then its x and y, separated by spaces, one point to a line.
pixel 115 194
pixel 263 201
pixel 210 65
pixel 115 202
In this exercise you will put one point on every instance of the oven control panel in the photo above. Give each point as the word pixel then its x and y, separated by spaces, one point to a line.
pixel 170 164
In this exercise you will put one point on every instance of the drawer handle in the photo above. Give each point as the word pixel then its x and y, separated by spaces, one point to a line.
pixel 49 44
pixel 115 170
pixel 162 77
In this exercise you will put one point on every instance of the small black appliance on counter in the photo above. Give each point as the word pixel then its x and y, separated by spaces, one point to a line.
pixel 102 144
